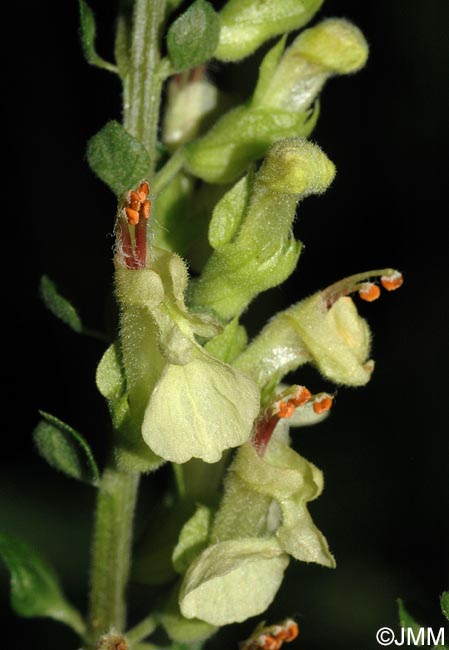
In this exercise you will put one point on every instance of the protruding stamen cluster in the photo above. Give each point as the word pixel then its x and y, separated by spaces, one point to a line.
pixel 272 637
pixel 362 283
pixel 284 408
pixel 133 227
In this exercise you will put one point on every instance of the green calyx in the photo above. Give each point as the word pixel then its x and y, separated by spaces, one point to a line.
pixel 251 228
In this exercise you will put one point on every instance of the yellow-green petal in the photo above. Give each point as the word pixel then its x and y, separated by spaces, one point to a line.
pixel 233 580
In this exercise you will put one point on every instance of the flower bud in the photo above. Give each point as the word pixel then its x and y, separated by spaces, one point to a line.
pixel 251 228
pixel 334 46
pixel 190 98
pixel 288 85
pixel 241 136
pixel 293 169
pixel 246 24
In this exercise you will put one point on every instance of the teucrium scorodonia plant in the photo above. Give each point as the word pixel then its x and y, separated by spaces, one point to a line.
pixel 202 180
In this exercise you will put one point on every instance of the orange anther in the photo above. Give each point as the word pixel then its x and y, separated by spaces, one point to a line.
pixel 267 642
pixel 143 191
pixel 134 200
pixel 146 207
pixel 286 409
pixel 322 405
pixel 292 632
pixel 132 216
pixel 392 282
pixel 369 292
pixel 302 396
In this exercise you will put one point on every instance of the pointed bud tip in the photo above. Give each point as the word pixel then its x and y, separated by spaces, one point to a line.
pixel 335 44
pixel 297 166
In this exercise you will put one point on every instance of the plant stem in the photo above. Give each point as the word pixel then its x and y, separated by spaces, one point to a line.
pixel 168 171
pixel 111 551
pixel 142 630
pixel 113 530
pixel 146 75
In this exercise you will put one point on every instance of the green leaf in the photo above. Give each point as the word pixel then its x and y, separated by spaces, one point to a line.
pixel 110 377
pixel 35 589
pixel 444 601
pixel 405 618
pixel 267 69
pixel 117 158
pixel 193 37
pixel 192 539
pixel 58 305
pixel 65 449
pixel 228 345
pixel 229 212
pixel 87 32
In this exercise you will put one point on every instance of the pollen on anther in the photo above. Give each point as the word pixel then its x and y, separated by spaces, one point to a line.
pixel 134 200
pixel 392 282
pixel 286 409
pixel 143 191
pixel 132 216
pixel 369 292
pixel 322 405
pixel 292 631
pixel 302 396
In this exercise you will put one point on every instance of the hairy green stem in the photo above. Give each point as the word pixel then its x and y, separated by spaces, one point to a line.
pixel 111 552
pixel 145 75
pixel 142 630
pixel 168 171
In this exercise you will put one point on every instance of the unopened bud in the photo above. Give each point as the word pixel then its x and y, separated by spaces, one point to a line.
pixel 246 24
pixel 297 167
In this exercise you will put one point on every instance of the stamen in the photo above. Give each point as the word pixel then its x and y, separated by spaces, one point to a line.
pixel 134 200
pixel 146 208
pixel 302 396
pixel 272 637
pixel 286 409
pixel 132 216
pixel 392 282
pixel 360 282
pixel 132 228
pixel 292 631
pixel 141 243
pixel 281 409
pixel 143 191
pixel 322 405
pixel 369 292
pixel 124 240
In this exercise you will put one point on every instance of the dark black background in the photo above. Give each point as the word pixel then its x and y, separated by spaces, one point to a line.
pixel 384 451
